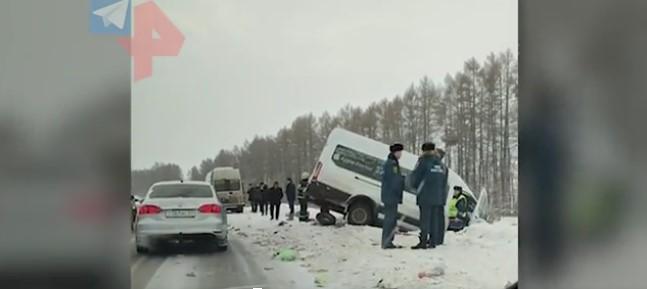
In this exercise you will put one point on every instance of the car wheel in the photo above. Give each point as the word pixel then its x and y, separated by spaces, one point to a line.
pixel 240 209
pixel 221 245
pixel 142 250
pixel 360 213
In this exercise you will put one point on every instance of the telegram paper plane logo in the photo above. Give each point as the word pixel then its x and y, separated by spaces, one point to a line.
pixel 110 17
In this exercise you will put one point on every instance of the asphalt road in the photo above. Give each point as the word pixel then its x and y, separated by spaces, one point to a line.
pixel 195 268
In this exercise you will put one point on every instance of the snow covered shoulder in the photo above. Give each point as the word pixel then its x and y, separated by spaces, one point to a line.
pixel 481 256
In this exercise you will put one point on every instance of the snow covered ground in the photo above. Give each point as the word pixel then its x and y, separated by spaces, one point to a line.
pixel 482 256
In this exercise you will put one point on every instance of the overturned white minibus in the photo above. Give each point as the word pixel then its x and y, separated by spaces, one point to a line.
pixel 347 179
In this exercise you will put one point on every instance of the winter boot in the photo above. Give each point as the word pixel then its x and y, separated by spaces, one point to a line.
pixel 421 245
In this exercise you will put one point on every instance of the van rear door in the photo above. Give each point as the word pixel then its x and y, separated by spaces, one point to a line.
pixel 229 191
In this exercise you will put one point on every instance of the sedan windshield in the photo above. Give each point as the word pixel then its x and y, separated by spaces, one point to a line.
pixel 181 191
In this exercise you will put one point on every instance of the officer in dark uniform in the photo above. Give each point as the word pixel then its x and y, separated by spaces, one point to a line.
pixel 441 154
pixel 391 194
pixel 429 179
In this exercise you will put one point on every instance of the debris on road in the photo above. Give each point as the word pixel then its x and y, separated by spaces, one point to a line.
pixel 321 280
pixel 479 257
pixel 379 283
pixel 436 271
pixel 287 255
pixel 190 274
pixel 321 270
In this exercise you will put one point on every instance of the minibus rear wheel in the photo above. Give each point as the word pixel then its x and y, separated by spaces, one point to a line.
pixel 360 213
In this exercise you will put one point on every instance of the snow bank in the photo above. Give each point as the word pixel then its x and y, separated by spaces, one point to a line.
pixel 482 256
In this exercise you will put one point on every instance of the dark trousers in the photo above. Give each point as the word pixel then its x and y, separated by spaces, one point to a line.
pixel 264 208
pixel 291 204
pixel 254 206
pixel 432 224
pixel 425 223
pixel 442 227
pixel 437 225
pixel 274 210
pixel 389 224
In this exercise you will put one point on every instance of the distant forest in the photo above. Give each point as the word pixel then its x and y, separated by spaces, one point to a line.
pixel 471 114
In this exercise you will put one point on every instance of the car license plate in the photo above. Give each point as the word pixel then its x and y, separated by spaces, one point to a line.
pixel 180 214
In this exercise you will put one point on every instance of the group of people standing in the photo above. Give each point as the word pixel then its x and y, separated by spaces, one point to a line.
pixel 429 179
pixel 268 199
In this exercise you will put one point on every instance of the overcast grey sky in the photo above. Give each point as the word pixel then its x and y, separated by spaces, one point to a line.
pixel 250 67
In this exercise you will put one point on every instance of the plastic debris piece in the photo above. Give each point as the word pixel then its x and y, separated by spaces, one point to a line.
pixel 287 255
pixel 434 272
pixel 321 280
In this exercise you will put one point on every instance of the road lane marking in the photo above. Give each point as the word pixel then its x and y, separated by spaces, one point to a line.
pixel 134 266
pixel 173 273
pixel 248 287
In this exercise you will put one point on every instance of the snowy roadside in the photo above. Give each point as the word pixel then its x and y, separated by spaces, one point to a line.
pixel 482 256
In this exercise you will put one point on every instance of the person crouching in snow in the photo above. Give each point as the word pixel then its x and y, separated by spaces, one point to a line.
pixel 458 213
pixel 391 194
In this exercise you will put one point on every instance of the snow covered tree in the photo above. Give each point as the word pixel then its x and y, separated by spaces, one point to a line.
pixel 471 114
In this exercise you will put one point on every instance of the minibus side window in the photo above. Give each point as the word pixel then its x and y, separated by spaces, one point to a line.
pixel 363 164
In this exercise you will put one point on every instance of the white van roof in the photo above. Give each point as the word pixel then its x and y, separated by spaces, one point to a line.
pixel 225 173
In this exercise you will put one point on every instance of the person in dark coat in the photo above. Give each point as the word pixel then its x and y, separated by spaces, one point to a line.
pixel 251 196
pixel 264 199
pixel 275 197
pixel 391 194
pixel 441 154
pixel 257 198
pixel 429 179
pixel 291 195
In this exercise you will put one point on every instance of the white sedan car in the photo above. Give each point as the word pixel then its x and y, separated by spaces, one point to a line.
pixel 180 211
